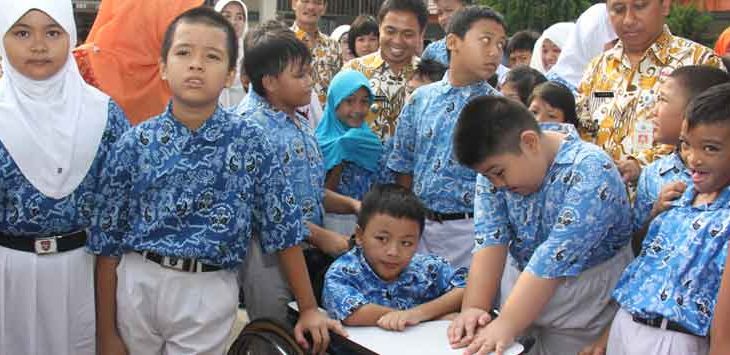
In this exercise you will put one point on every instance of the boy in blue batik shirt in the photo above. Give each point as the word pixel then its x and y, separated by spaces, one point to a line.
pixel 383 281
pixel 552 222
pixel 422 154
pixel 278 65
pixel 184 192
pixel 669 172
pixel 667 295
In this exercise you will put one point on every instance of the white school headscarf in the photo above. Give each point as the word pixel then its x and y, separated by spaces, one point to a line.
pixel 51 128
pixel 592 31
pixel 556 33
pixel 230 97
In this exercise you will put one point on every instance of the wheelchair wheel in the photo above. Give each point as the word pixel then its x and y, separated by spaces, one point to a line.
pixel 265 337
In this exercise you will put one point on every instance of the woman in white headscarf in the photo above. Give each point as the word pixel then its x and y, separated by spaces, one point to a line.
pixel 593 33
pixel 236 12
pixel 548 47
pixel 55 132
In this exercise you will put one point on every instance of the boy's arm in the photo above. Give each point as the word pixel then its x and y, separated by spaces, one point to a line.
pixel 402 158
pixel 106 306
pixel 330 242
pixel 367 315
pixel 599 346
pixel 337 203
pixel 485 274
pixel 399 320
pixel 311 320
pixel 405 180
pixel 333 178
pixel 720 331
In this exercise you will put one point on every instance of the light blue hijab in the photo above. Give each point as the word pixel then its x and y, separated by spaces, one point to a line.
pixel 338 141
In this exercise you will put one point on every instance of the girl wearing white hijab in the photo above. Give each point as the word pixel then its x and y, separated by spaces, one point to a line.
pixel 55 131
pixel 593 32
pixel 549 45
pixel 236 12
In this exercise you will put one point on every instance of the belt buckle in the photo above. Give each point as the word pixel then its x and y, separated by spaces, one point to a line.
pixel 173 263
pixel 46 245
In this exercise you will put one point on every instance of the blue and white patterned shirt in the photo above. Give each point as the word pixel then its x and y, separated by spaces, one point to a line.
pixel 578 219
pixel 297 149
pixel 677 275
pixel 351 283
pixel 423 145
pixel 355 181
pixel 552 76
pixel 27 213
pixel 197 194
pixel 437 51
pixel 653 177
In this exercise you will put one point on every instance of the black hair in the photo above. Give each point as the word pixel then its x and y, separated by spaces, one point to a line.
pixel 522 41
pixel 416 7
pixel 489 126
pixel 431 69
pixel 462 20
pixel 392 200
pixel 558 96
pixel 726 61
pixel 694 79
pixel 362 26
pixel 269 50
pixel 524 79
pixel 205 16
pixel 709 107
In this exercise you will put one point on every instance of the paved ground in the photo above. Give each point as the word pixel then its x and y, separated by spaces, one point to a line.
pixel 241 321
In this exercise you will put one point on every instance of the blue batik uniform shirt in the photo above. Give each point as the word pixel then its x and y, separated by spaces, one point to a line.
pixel 27 213
pixel 579 218
pixel 351 283
pixel 677 275
pixel 422 145
pixel 654 176
pixel 298 150
pixel 199 194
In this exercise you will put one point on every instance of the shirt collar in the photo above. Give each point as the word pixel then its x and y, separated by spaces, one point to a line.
pixel 659 49
pixel 255 102
pixel 480 87
pixel 568 148
pixel 300 33
pixel 722 200
pixel 671 162
pixel 211 130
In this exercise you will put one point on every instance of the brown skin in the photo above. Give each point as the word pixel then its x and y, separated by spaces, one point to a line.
pixel 638 23
pixel 400 36
pixel 36 46
pixel 307 13
pixel 233 12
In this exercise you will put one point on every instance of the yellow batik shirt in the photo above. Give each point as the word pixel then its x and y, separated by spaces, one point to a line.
pixel 389 89
pixel 614 96
pixel 326 60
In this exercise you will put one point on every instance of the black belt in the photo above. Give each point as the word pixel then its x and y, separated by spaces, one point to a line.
pixel 45 245
pixel 180 264
pixel 663 323
pixel 441 217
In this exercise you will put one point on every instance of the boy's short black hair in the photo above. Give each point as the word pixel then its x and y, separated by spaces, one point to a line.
pixel 524 79
pixel 558 96
pixel 416 7
pixel 489 126
pixel 431 69
pixel 206 16
pixel 269 50
pixel 522 41
pixel 362 26
pixel 462 20
pixel 694 79
pixel 392 200
pixel 709 107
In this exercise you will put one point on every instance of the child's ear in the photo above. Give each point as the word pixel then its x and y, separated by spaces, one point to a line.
pixel 529 141
pixel 230 78
pixel 358 235
pixel 451 41
pixel 269 83
pixel 163 70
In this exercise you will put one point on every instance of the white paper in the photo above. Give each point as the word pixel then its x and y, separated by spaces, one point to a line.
pixel 427 338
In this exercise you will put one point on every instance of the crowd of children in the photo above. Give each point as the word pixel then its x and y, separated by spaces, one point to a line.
pixel 484 206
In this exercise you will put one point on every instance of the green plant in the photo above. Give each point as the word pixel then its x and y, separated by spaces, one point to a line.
pixel 689 22
pixel 537 14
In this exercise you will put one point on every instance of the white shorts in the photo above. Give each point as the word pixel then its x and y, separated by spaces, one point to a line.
pixel 630 338
pixel 47 303
pixel 580 309
pixel 452 240
pixel 264 286
pixel 165 311
pixel 340 223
